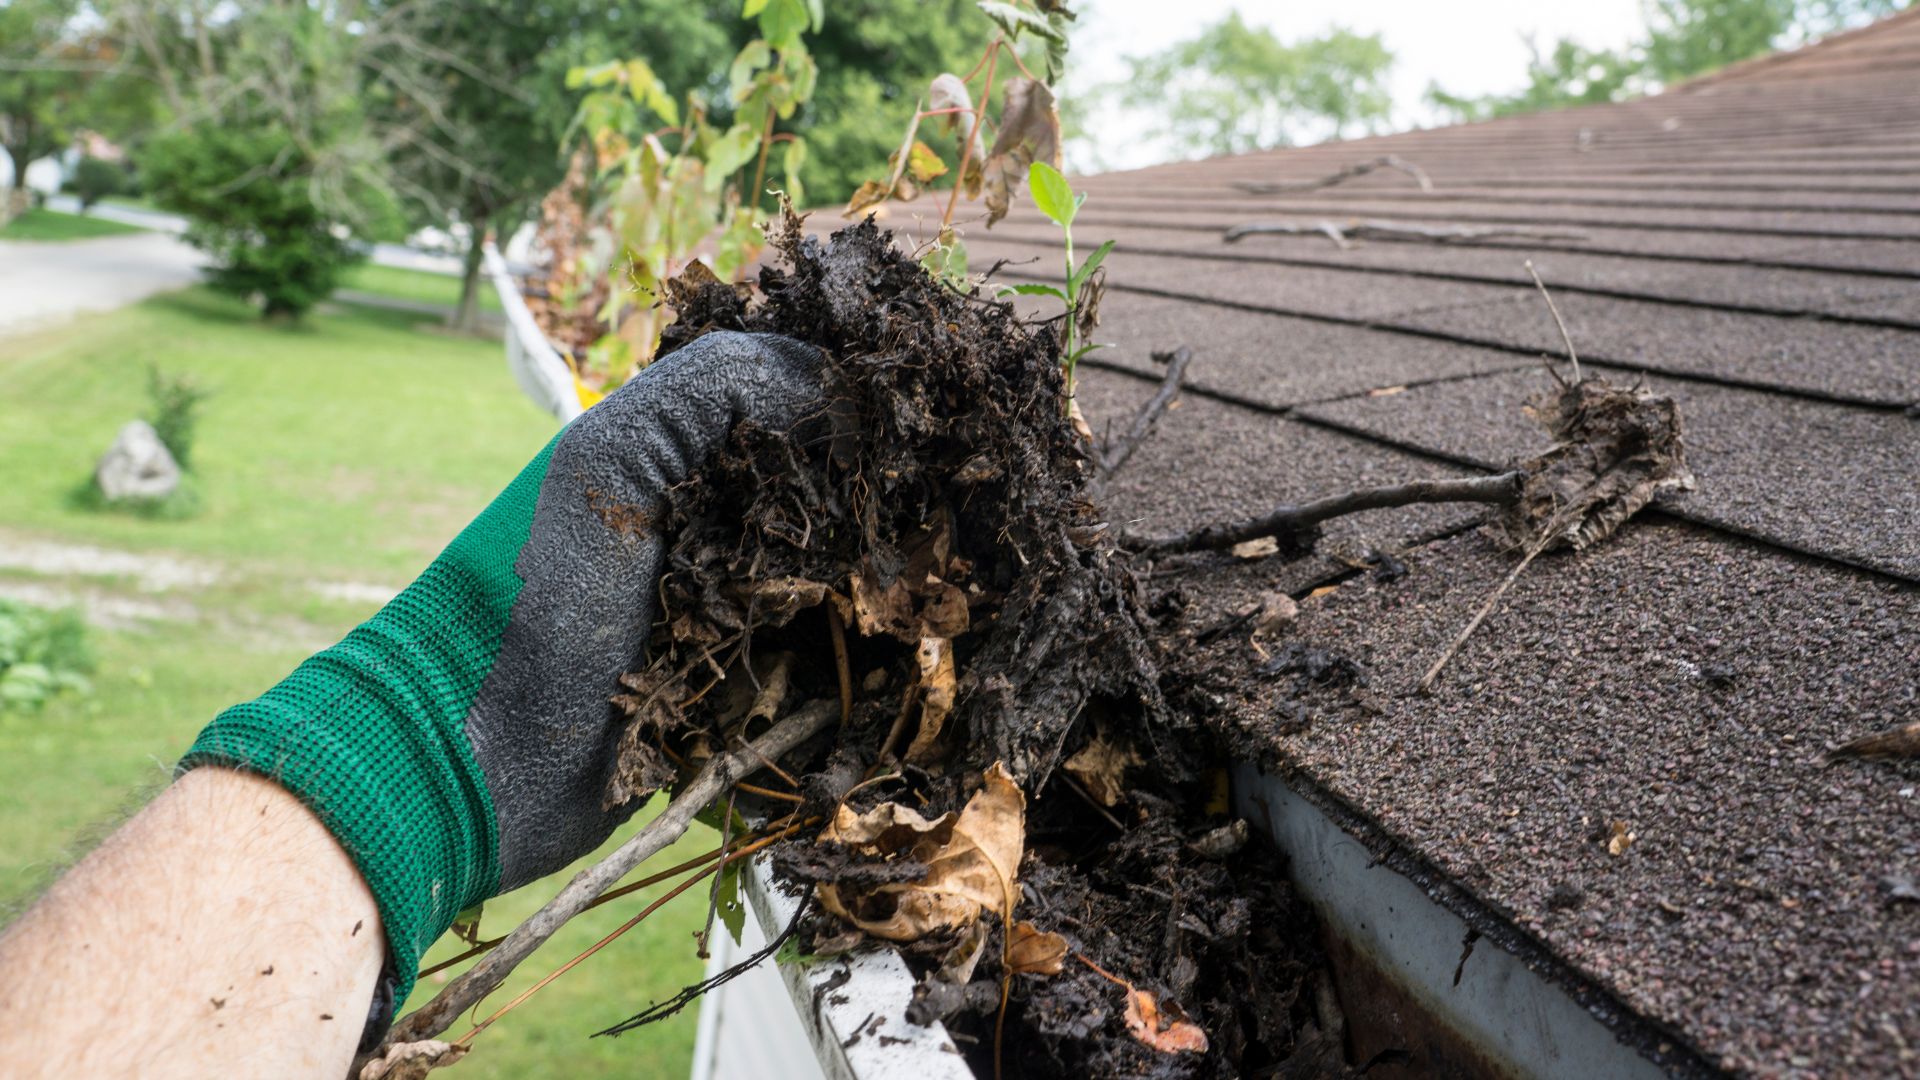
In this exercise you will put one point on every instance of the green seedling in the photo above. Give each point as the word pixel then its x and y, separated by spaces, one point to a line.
pixel 1057 199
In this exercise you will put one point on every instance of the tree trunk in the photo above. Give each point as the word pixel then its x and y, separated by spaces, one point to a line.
pixel 466 317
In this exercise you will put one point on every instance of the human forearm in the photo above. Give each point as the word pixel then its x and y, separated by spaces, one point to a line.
pixel 220 931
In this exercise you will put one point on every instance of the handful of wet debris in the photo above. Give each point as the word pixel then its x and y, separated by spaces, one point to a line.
pixel 1007 799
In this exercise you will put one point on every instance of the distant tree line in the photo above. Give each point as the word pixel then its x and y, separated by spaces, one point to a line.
pixel 1683 38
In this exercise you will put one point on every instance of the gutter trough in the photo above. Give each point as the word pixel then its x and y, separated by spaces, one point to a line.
pixel 1426 990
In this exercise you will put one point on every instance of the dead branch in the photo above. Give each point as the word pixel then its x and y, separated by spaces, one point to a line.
pixel 690 994
pixel 1117 454
pixel 1343 234
pixel 1358 169
pixel 709 784
pixel 1298 521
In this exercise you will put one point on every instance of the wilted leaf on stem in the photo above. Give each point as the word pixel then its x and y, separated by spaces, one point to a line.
pixel 948 92
pixel 1029 132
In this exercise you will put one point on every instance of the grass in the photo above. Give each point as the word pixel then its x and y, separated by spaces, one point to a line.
pixel 38 224
pixel 348 449
pixel 133 202
pixel 420 285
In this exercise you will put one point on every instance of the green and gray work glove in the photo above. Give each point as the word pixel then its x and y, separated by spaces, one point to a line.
pixel 459 743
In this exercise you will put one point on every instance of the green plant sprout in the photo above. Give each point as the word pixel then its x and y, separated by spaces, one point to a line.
pixel 1057 199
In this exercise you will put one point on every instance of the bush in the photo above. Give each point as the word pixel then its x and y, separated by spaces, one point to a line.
pixel 42 653
pixel 94 179
pixel 249 196
pixel 176 408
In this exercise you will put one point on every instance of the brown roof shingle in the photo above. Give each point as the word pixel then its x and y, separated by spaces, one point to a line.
pixel 1750 243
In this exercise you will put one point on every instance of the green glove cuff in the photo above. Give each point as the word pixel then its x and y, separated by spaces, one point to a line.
pixel 371 733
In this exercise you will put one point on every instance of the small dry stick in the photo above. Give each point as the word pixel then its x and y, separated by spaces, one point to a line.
pixel 1344 233
pixel 1485 608
pixel 1499 490
pixel 1340 176
pixel 718 775
pixel 837 633
pixel 713 893
pixel 1147 417
pixel 1555 310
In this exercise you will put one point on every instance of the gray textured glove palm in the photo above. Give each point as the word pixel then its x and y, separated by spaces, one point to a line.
pixel 541 726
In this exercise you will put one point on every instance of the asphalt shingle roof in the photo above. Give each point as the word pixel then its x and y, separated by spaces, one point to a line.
pixel 1750 244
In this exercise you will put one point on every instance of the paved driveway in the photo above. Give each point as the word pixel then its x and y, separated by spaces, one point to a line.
pixel 49 282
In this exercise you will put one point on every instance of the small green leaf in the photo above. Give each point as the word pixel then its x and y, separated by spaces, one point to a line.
pixel 728 153
pixel 1085 270
pixel 1034 290
pixel 818 8
pixel 1051 193
pixel 747 63
pixel 726 901
pixel 1014 19
pixel 782 22
pixel 752 8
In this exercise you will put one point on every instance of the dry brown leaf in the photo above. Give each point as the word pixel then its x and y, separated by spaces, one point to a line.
pixel 971 859
pixel 1029 132
pixel 1164 1032
pixel 1030 951
pixel 773 688
pixel 413 1060
pixel 871 194
pixel 1101 768
pixel 1323 590
pixel 1275 613
pixel 1614 449
pixel 883 609
pixel 775 601
pixel 935 656
pixel 945 613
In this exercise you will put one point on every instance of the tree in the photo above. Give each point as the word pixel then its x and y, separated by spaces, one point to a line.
pixel 1570 75
pixel 56 77
pixel 270 152
pixel 1234 87
pixel 1684 38
pixel 482 132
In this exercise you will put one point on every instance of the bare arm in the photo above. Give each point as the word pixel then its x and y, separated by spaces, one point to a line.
pixel 222 931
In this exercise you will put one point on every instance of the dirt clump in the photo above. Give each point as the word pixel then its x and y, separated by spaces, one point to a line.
pixel 925 550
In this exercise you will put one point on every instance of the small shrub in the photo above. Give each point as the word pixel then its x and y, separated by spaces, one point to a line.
pixel 176 409
pixel 94 179
pixel 42 654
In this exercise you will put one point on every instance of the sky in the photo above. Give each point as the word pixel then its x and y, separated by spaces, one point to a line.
pixel 1468 46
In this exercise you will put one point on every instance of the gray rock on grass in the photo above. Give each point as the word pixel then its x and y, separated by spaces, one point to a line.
pixel 137 465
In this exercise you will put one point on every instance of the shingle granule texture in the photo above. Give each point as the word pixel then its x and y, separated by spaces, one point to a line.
pixel 1748 243
pixel 1684 684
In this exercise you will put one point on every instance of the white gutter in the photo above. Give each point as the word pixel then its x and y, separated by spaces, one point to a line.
pixel 536 366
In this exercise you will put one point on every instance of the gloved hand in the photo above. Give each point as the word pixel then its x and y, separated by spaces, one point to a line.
pixel 458 744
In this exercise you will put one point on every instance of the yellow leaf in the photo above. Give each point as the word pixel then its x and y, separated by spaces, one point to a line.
pixel 923 163
pixel 871 194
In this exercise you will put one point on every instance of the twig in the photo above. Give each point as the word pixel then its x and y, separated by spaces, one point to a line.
pixel 1501 490
pixel 690 994
pixel 1341 176
pixel 1555 309
pixel 713 892
pixel 1149 415
pixel 1344 233
pixel 715 777
pixel 1485 608
pixel 837 633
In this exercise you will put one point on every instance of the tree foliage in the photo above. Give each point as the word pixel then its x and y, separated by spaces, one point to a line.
pixel 58 74
pixel 1234 87
pixel 1683 38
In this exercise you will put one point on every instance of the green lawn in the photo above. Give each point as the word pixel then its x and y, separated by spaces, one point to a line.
pixel 40 224
pixel 403 284
pixel 345 450
pixel 133 202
